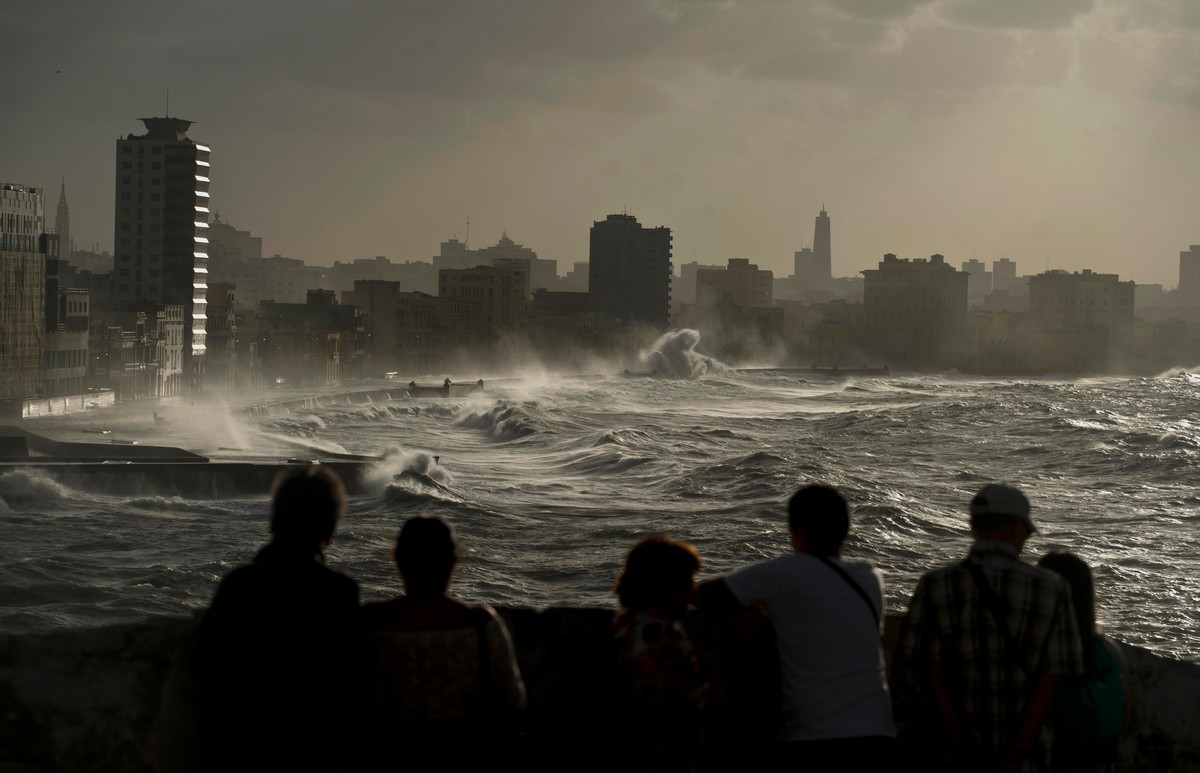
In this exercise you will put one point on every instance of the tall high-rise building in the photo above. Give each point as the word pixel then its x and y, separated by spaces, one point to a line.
pixel 1004 274
pixel 814 266
pixel 629 271
pixel 22 289
pixel 161 225
pixel 1189 276
pixel 822 249
pixel 62 224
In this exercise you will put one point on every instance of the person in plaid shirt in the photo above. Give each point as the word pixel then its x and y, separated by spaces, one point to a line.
pixel 985 643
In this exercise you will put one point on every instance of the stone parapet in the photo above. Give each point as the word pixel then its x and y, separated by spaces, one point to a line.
pixel 117 699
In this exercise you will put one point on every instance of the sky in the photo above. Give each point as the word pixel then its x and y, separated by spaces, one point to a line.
pixel 1058 134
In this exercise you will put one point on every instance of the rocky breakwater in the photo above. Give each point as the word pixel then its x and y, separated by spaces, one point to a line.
pixel 116 698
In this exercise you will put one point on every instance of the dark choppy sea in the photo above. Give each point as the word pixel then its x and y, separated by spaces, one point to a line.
pixel 550 480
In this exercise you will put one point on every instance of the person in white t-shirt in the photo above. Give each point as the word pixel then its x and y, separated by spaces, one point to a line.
pixel 827 614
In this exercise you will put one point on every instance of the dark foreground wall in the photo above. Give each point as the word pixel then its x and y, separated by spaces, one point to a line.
pixel 112 699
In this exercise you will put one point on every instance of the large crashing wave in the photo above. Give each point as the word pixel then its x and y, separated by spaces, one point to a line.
pixel 674 355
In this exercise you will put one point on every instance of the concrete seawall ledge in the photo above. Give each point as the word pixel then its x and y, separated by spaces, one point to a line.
pixel 116 699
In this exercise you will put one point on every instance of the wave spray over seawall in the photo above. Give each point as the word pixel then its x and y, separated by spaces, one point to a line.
pixel 674 355
pixel 550 481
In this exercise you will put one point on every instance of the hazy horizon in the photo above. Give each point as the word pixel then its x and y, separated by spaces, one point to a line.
pixel 1059 135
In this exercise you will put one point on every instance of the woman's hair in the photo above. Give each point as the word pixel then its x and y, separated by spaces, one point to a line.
pixel 655 571
pixel 426 550
pixel 1083 597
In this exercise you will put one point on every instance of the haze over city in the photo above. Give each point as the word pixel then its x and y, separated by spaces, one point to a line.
pixel 1059 134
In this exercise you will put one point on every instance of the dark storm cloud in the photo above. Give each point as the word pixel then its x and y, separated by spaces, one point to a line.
pixel 1164 15
pixel 1017 14
pixel 877 9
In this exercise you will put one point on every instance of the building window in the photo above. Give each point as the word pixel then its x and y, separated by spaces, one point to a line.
pixel 126 180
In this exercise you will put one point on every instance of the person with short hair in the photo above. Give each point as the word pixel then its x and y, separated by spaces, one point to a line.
pixel 446 681
pixel 827 613
pixel 986 641
pixel 278 649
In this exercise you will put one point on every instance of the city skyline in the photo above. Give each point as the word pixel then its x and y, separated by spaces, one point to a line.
pixel 1055 136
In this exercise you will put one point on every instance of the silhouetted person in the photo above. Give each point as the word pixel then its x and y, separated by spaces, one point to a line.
pixel 1090 709
pixel 826 613
pixel 279 650
pixel 658 687
pixel 447 691
pixel 986 642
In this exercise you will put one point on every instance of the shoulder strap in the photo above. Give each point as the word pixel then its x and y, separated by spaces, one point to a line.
pixel 853 584
pixel 996 607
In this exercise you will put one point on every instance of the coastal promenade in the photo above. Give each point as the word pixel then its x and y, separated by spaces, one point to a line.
pixel 118 699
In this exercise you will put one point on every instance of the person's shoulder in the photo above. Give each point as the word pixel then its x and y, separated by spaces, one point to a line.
pixel 942 573
pixel 484 614
pixel 1039 576
pixel 379 614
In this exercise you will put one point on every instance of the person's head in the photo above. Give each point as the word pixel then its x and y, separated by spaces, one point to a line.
pixel 659 574
pixel 426 552
pixel 819 520
pixel 1083 592
pixel 306 505
pixel 1001 512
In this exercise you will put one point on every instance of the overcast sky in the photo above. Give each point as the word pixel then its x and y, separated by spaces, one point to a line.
pixel 1058 133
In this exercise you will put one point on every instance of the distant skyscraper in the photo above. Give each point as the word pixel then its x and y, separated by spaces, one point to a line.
pixel 161 226
pixel 822 250
pixel 22 289
pixel 1004 274
pixel 629 271
pixel 62 225
pixel 1189 276
pixel 814 266
pixel 980 282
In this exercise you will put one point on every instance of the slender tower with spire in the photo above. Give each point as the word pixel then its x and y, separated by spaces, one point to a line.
pixel 62 224
pixel 822 253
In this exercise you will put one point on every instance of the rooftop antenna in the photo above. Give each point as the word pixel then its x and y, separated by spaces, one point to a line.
pixel 168 103
pixel 467 238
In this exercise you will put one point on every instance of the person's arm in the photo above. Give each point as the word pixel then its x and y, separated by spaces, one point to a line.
pixel 716 596
pixel 947 711
pixel 1037 711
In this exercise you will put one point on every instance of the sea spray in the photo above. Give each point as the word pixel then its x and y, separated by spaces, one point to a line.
pixel 674 355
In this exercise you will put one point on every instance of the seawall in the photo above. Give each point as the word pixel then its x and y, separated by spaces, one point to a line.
pixel 116 698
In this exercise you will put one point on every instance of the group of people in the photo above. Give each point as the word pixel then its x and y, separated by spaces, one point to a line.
pixel 998 665
pixel 294 674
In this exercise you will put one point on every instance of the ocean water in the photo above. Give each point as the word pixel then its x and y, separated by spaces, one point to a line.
pixel 549 480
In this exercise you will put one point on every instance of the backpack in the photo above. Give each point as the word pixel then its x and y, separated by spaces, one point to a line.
pixel 1090 709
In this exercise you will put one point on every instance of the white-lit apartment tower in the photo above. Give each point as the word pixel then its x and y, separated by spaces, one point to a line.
pixel 161 225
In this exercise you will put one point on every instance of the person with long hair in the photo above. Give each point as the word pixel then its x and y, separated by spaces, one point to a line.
pixel 659 686
pixel 1090 709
